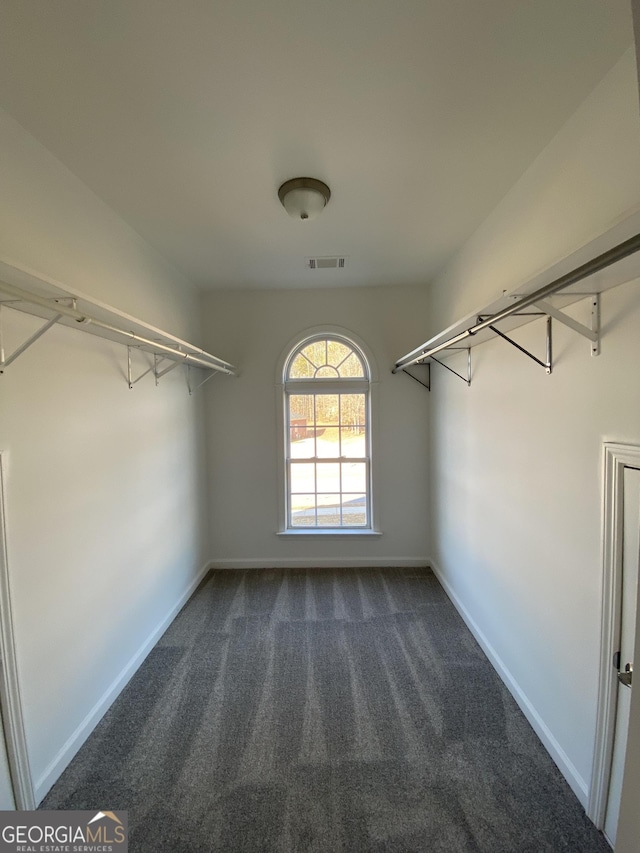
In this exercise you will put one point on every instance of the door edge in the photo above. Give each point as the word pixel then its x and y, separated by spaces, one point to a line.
pixel 617 457
pixel 10 701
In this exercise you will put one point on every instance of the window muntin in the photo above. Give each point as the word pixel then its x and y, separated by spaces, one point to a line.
pixel 327 436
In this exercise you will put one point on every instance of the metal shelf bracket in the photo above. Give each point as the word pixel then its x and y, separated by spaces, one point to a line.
pixel 154 368
pixel 157 361
pixel 193 387
pixel 130 380
pixel 466 378
pixel 5 360
pixel 427 364
pixel 592 334
pixel 548 364
pixel 426 384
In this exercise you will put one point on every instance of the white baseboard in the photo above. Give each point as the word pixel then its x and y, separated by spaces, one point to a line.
pixel 54 770
pixel 566 767
pixel 324 563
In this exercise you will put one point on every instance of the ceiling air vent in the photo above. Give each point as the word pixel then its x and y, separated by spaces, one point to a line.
pixel 325 263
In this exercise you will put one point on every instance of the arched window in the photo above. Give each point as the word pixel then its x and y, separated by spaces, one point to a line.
pixel 327 441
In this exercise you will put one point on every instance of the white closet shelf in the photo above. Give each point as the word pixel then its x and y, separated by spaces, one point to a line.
pixel 610 260
pixel 25 290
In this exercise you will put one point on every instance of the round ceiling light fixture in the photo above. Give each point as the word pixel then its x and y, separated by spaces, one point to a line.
pixel 304 198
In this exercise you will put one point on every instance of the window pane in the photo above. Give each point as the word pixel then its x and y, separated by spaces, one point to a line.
pixel 303 511
pixel 302 448
pixel 354 477
pixel 301 432
pixel 337 352
pixel 301 406
pixel 352 367
pixel 303 477
pixel 327 409
pixel 354 444
pixel 328 510
pixel 301 368
pixel 316 353
pixel 327 442
pixel 352 409
pixel 354 511
pixel 326 372
pixel 328 477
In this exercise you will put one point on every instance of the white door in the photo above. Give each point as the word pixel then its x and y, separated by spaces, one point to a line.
pixel 629 821
pixel 15 789
pixel 630 561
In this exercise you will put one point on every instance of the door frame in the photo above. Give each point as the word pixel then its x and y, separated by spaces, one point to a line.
pixel 10 704
pixel 617 457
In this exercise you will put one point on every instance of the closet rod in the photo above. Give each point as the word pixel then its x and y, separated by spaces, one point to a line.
pixel 199 358
pixel 606 259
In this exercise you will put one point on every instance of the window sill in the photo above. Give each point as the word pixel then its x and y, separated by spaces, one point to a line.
pixel 329 533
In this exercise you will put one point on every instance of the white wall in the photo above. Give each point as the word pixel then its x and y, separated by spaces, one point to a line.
pixel 254 329
pixel 105 490
pixel 516 472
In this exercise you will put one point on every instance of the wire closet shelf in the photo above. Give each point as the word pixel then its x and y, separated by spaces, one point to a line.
pixel 32 293
pixel 610 260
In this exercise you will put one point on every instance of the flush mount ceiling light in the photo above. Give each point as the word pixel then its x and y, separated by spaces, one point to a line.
pixel 304 198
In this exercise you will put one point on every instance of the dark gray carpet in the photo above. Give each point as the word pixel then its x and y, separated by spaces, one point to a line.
pixel 318 710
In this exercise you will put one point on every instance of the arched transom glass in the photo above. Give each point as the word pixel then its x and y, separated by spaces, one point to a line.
pixel 326 359
pixel 327 436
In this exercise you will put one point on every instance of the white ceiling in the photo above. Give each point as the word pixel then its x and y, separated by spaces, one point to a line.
pixel 186 115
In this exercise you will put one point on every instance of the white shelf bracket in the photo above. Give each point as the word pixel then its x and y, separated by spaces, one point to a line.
pixel 5 361
pixel 154 368
pixel 130 380
pixel 595 323
pixel 592 334
pixel 193 388
pixel 157 361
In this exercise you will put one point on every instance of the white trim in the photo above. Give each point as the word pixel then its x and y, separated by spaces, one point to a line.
pixel 328 532
pixel 323 563
pixel 324 385
pixel 64 756
pixel 334 385
pixel 12 719
pixel 562 760
pixel 616 458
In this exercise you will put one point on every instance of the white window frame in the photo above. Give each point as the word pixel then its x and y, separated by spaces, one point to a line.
pixel 317 386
